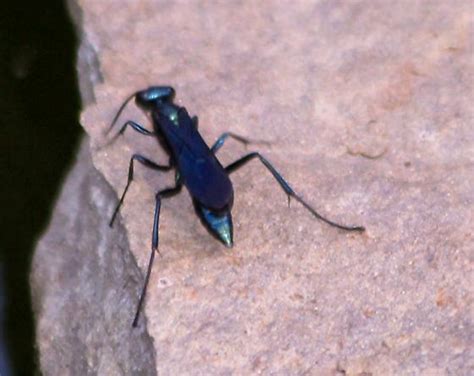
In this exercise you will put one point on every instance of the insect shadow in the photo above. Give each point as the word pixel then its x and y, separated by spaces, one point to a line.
pixel 196 167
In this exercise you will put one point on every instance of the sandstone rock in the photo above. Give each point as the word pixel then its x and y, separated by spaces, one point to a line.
pixel 368 107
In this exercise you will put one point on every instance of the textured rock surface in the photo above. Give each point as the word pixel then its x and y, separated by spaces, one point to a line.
pixel 82 278
pixel 368 108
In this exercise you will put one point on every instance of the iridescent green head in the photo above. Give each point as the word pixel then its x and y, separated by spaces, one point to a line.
pixel 148 98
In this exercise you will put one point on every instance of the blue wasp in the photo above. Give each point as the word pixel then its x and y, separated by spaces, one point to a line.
pixel 197 168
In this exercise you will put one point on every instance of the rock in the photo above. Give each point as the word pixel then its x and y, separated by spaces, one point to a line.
pixel 367 107
pixel 85 284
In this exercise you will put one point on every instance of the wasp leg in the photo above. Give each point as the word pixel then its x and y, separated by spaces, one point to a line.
pixel 135 126
pixel 168 192
pixel 146 162
pixel 287 188
pixel 220 141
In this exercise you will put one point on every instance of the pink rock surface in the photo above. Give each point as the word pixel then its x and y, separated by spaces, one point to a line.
pixel 368 108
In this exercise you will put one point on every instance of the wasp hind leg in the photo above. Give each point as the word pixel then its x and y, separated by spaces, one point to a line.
pixel 287 189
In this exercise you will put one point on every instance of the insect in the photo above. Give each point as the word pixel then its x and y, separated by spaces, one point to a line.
pixel 196 167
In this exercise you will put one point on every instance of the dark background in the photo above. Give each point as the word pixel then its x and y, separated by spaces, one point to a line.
pixel 39 133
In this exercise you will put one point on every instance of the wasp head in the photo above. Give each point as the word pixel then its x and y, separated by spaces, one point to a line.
pixel 147 99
